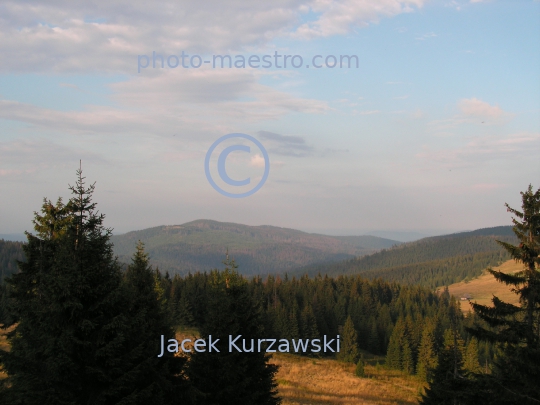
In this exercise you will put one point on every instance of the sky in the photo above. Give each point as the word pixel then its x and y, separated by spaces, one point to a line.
pixel 432 131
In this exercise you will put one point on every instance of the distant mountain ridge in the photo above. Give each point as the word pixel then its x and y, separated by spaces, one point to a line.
pixel 201 246
pixel 431 262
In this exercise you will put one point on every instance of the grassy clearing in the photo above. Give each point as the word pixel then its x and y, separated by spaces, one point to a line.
pixel 322 381
pixel 312 381
pixel 482 289
pixel 303 380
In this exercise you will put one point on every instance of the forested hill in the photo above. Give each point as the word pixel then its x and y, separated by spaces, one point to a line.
pixel 10 252
pixel 201 246
pixel 431 262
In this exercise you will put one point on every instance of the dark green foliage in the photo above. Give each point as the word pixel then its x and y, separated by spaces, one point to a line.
pixel 359 370
pixel 373 341
pixel 184 312
pixel 427 354
pixel 308 328
pixel 66 299
pixel 349 343
pixel 144 378
pixel 436 273
pixel 471 363
pixel 516 329
pixel 449 386
pixel 82 334
pixel 430 262
pixel 231 377
pixel 401 355
pixel 10 253
pixel 373 306
pixel 393 354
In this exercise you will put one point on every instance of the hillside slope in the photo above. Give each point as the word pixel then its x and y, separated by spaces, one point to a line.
pixel 202 244
pixel 483 288
pixel 431 262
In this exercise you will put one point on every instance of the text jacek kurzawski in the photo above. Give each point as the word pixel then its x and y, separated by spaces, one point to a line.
pixel 237 344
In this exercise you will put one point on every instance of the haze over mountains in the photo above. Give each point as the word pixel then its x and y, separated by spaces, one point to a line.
pixel 201 245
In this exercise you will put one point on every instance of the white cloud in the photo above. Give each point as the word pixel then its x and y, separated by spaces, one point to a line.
pixel 338 18
pixel 189 103
pixel 478 108
pixel 96 36
pixel 257 161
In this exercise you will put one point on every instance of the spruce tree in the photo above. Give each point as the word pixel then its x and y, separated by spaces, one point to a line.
pixel 394 352
pixel 309 324
pixel 359 370
pixel 82 335
pixel 427 354
pixel 373 341
pixel 471 363
pixel 407 359
pixel 232 377
pixel 516 328
pixel 68 302
pixel 448 386
pixel 349 347
pixel 184 312
pixel 142 376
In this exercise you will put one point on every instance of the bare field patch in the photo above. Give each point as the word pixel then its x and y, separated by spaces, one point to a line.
pixel 305 381
pixel 482 289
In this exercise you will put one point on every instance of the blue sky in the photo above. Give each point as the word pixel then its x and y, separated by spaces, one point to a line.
pixel 436 130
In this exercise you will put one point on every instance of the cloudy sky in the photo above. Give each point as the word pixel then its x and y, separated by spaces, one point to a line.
pixel 437 127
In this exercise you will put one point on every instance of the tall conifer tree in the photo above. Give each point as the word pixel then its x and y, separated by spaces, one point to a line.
pixel 349 343
pixel 516 328
pixel 67 300
pixel 427 354
pixel 143 377
pixel 81 335
pixel 231 377
pixel 471 363
pixel 448 386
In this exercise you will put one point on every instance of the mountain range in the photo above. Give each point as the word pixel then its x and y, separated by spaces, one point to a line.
pixel 202 245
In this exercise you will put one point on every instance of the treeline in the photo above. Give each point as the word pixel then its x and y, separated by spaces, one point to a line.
pixel 182 258
pixel 10 252
pixel 387 317
pixel 441 272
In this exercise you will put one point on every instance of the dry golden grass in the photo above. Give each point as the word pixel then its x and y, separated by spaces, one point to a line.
pixel 307 381
pixel 322 381
pixel 482 289
pixel 303 380
pixel 3 345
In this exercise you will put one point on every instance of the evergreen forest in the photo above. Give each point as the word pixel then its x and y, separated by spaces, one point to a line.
pixel 84 328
